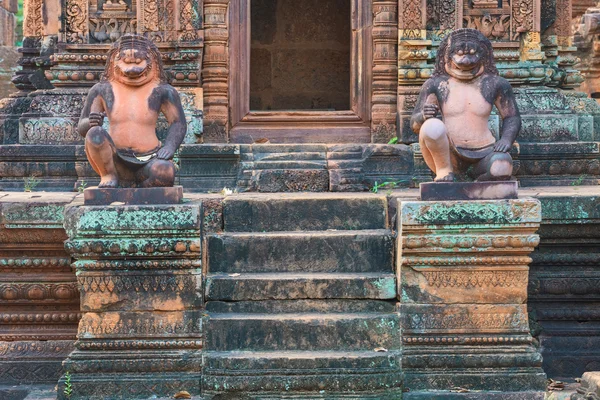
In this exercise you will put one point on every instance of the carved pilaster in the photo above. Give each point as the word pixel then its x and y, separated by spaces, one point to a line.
pixel 215 70
pixel 385 88
pixel 76 21
pixel 464 273
pixel 138 270
pixel 413 54
pixel 33 25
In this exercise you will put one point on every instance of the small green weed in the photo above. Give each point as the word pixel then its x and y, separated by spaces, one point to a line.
pixel 30 183
pixel 385 185
pixel 68 391
pixel 578 181
pixel 82 186
pixel 393 140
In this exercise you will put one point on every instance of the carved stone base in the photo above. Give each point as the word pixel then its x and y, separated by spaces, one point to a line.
pixel 590 387
pixel 464 278
pixel 133 196
pixel 469 190
pixel 139 274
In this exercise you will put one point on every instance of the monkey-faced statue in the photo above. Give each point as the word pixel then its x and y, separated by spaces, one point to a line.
pixel 464 87
pixel 132 92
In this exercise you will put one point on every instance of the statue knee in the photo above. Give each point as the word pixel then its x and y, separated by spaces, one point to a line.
pixel 433 130
pixel 501 165
pixel 162 173
pixel 96 136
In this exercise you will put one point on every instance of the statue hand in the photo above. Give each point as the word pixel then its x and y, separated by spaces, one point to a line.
pixel 165 153
pixel 502 146
pixel 96 119
pixel 430 111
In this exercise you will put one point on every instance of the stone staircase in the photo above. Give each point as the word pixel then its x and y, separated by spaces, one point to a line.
pixel 301 300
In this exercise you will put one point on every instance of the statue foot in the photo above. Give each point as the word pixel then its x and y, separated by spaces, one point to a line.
pixel 109 181
pixel 447 178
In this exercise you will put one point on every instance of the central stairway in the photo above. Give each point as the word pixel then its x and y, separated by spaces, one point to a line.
pixel 301 300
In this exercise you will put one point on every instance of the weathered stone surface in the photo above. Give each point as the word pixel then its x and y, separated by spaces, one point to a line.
pixel 292 181
pixel 39 298
pixel 463 279
pixel 312 369
pixel 590 387
pixel 297 252
pixel 301 286
pixel 133 196
pixel 138 268
pixel 292 213
pixel 432 191
pixel 302 313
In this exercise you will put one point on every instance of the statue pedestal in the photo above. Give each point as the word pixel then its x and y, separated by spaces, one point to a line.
pixel 500 190
pixel 139 274
pixel 463 276
pixel 133 196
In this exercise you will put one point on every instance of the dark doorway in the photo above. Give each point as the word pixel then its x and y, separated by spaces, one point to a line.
pixel 300 55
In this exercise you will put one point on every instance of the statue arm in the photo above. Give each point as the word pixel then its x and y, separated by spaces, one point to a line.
pixel 172 109
pixel 427 106
pixel 511 119
pixel 94 104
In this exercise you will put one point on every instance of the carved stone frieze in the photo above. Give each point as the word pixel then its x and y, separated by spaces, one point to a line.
pixel 76 21
pixel 39 298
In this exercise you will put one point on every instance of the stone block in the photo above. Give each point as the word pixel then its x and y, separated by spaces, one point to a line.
pixel 328 371
pixel 431 191
pixel 282 180
pixel 304 212
pixel 301 286
pixel 133 196
pixel 315 252
pixel 302 332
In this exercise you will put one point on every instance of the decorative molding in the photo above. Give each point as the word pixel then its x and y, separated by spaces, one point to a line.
pixel 215 70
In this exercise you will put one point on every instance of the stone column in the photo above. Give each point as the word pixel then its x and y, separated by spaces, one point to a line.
pixel 8 52
pixel 385 74
pixel 463 283
pixel 138 270
pixel 215 70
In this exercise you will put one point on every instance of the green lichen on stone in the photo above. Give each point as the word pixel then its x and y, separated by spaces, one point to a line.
pixel 139 218
pixel 471 212
pixel 468 212
pixel 30 215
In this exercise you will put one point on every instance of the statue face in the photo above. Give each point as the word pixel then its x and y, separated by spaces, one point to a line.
pixel 465 60
pixel 134 66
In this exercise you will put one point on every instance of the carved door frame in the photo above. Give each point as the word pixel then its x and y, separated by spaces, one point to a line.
pixel 352 126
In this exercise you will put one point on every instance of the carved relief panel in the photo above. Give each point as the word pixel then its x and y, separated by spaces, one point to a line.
pixel 104 21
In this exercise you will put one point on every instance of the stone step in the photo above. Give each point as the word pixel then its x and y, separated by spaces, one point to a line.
pixel 302 331
pixel 314 252
pixel 303 306
pixel 278 286
pixel 301 371
pixel 304 212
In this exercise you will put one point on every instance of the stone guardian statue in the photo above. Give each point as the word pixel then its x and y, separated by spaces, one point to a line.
pixel 132 93
pixel 464 87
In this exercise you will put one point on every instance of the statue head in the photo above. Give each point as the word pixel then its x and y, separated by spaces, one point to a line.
pixel 134 60
pixel 465 54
